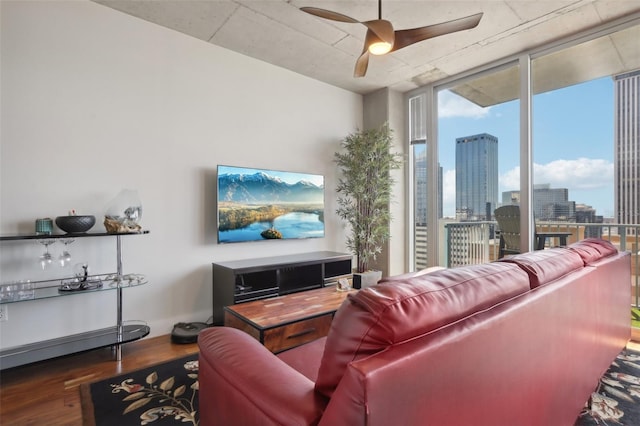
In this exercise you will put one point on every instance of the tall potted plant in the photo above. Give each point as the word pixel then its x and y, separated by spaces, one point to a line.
pixel 364 192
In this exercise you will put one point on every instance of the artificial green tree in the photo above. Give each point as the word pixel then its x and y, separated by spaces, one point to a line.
pixel 364 189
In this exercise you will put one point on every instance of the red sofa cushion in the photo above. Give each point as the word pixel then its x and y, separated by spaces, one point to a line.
pixel 396 311
pixel 593 249
pixel 305 358
pixel 544 266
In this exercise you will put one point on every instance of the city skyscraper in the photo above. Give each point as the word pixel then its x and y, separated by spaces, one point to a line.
pixel 476 177
pixel 420 178
pixel 627 147
pixel 548 203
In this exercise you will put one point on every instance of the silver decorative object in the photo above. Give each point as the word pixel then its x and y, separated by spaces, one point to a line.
pixel 124 213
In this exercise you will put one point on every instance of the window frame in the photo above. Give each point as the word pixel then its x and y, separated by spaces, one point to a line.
pixel 430 91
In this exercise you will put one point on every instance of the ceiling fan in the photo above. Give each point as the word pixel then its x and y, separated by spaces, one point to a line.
pixel 381 37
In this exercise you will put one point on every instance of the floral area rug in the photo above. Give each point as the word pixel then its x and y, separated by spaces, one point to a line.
pixel 616 400
pixel 165 394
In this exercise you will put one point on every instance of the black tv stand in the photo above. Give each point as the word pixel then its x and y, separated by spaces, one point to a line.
pixel 251 279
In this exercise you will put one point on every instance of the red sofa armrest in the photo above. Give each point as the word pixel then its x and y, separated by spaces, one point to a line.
pixel 241 382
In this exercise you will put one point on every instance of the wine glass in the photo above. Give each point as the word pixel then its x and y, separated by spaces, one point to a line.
pixel 46 259
pixel 65 257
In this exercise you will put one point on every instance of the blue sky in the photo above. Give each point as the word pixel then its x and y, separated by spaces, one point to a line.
pixel 572 134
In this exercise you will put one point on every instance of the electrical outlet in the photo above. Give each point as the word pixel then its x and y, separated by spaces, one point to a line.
pixel 4 314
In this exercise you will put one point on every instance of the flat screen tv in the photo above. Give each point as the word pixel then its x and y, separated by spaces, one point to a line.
pixel 260 204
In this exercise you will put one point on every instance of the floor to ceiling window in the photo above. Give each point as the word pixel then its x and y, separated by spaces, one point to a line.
pixel 586 141
pixel 470 146
pixel 475 162
pixel 478 147
pixel 573 158
pixel 418 142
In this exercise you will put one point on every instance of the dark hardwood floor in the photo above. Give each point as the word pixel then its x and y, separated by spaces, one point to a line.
pixel 48 392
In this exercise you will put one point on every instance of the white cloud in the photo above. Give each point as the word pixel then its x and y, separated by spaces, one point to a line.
pixel 451 105
pixel 579 174
pixel 510 181
pixel 582 174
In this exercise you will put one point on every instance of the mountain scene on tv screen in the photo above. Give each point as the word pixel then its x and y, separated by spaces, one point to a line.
pixel 257 206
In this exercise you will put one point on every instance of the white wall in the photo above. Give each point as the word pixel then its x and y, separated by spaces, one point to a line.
pixel 94 101
pixel 386 105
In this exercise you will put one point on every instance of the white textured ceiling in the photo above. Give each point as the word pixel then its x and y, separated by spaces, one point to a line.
pixel 276 31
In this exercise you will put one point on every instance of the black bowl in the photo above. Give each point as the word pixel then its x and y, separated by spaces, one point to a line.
pixel 75 224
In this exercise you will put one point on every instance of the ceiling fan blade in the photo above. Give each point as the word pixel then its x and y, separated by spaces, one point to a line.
pixel 383 29
pixel 363 60
pixel 327 14
pixel 405 38
pixel 362 64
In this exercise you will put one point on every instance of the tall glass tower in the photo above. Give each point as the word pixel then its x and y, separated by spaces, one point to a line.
pixel 627 147
pixel 476 177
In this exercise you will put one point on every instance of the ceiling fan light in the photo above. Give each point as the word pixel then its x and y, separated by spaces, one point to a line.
pixel 380 48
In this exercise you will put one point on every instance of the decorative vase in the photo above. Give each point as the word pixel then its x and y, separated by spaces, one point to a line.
pixel 124 213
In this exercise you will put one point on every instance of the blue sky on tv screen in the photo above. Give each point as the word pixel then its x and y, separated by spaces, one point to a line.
pixel 288 177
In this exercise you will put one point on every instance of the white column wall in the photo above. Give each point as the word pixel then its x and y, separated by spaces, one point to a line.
pixel 386 105
pixel 94 101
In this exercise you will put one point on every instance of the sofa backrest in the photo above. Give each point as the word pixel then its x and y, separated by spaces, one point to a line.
pixel 591 250
pixel 544 266
pixel 512 364
pixel 400 310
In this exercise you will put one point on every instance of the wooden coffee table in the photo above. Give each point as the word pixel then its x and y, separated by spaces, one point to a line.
pixel 283 322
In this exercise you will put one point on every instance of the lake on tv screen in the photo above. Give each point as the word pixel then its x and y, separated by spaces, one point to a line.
pixel 291 225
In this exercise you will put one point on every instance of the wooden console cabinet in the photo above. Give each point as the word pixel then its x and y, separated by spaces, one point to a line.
pixel 253 279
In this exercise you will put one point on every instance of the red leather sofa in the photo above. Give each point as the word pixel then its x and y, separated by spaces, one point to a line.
pixel 521 341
